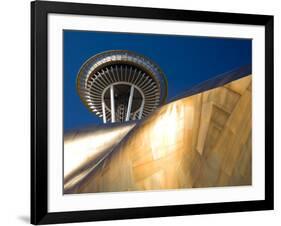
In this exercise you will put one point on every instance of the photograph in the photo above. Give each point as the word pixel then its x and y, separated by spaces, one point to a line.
pixel 141 112
pixel 145 112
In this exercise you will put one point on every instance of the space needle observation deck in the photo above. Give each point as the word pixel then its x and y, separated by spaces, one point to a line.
pixel 121 85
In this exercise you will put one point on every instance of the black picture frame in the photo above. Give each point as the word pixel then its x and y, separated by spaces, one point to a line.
pixel 39 112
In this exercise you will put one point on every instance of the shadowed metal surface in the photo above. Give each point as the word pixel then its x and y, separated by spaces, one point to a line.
pixel 202 140
pixel 217 81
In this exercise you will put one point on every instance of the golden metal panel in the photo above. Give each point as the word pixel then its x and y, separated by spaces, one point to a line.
pixel 202 140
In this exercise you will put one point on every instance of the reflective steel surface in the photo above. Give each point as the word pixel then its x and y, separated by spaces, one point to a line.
pixel 84 149
pixel 202 140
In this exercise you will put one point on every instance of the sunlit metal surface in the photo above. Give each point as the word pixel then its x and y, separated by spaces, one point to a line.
pixel 202 140
pixel 84 149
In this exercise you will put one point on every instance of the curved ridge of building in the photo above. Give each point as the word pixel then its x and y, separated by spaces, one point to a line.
pixel 84 149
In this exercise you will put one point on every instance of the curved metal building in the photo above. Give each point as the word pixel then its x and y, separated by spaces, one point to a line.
pixel 200 140
pixel 120 85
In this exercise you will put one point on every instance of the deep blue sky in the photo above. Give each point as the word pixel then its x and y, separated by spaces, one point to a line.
pixel 185 60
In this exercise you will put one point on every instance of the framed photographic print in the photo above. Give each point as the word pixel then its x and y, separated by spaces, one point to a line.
pixel 145 112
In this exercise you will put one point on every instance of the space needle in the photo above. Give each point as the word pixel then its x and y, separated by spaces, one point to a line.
pixel 121 85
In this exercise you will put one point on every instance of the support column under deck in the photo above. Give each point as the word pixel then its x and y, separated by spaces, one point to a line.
pixel 112 104
pixel 130 103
